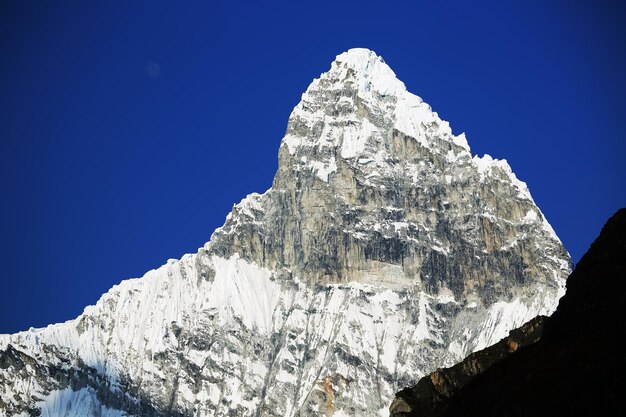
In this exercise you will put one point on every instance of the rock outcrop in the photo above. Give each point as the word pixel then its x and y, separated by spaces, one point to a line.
pixel 383 251
pixel 575 366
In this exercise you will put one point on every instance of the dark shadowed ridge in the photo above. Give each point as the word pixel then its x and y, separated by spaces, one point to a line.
pixel 569 364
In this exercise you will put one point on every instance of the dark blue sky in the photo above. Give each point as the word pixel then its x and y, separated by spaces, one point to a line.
pixel 128 131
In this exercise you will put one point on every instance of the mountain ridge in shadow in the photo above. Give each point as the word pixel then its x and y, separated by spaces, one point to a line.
pixel 571 363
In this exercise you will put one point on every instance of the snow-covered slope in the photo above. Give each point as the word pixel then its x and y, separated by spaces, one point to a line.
pixel 382 251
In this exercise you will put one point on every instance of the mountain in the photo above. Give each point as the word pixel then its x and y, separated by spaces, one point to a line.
pixel 569 364
pixel 382 251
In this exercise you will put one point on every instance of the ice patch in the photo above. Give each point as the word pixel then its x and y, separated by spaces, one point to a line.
pixel 81 403
pixel 323 169
pixel 486 166
pixel 355 137
pixel 530 217
pixel 244 290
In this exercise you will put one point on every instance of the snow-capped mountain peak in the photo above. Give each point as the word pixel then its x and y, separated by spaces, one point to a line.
pixel 346 101
pixel 370 70
pixel 382 251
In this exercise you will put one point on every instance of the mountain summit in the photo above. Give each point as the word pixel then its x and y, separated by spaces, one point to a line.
pixel 383 251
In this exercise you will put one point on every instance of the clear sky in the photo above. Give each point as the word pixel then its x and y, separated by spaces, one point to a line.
pixel 128 130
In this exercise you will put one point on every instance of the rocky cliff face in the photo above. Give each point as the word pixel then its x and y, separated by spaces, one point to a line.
pixel 383 251
pixel 575 366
